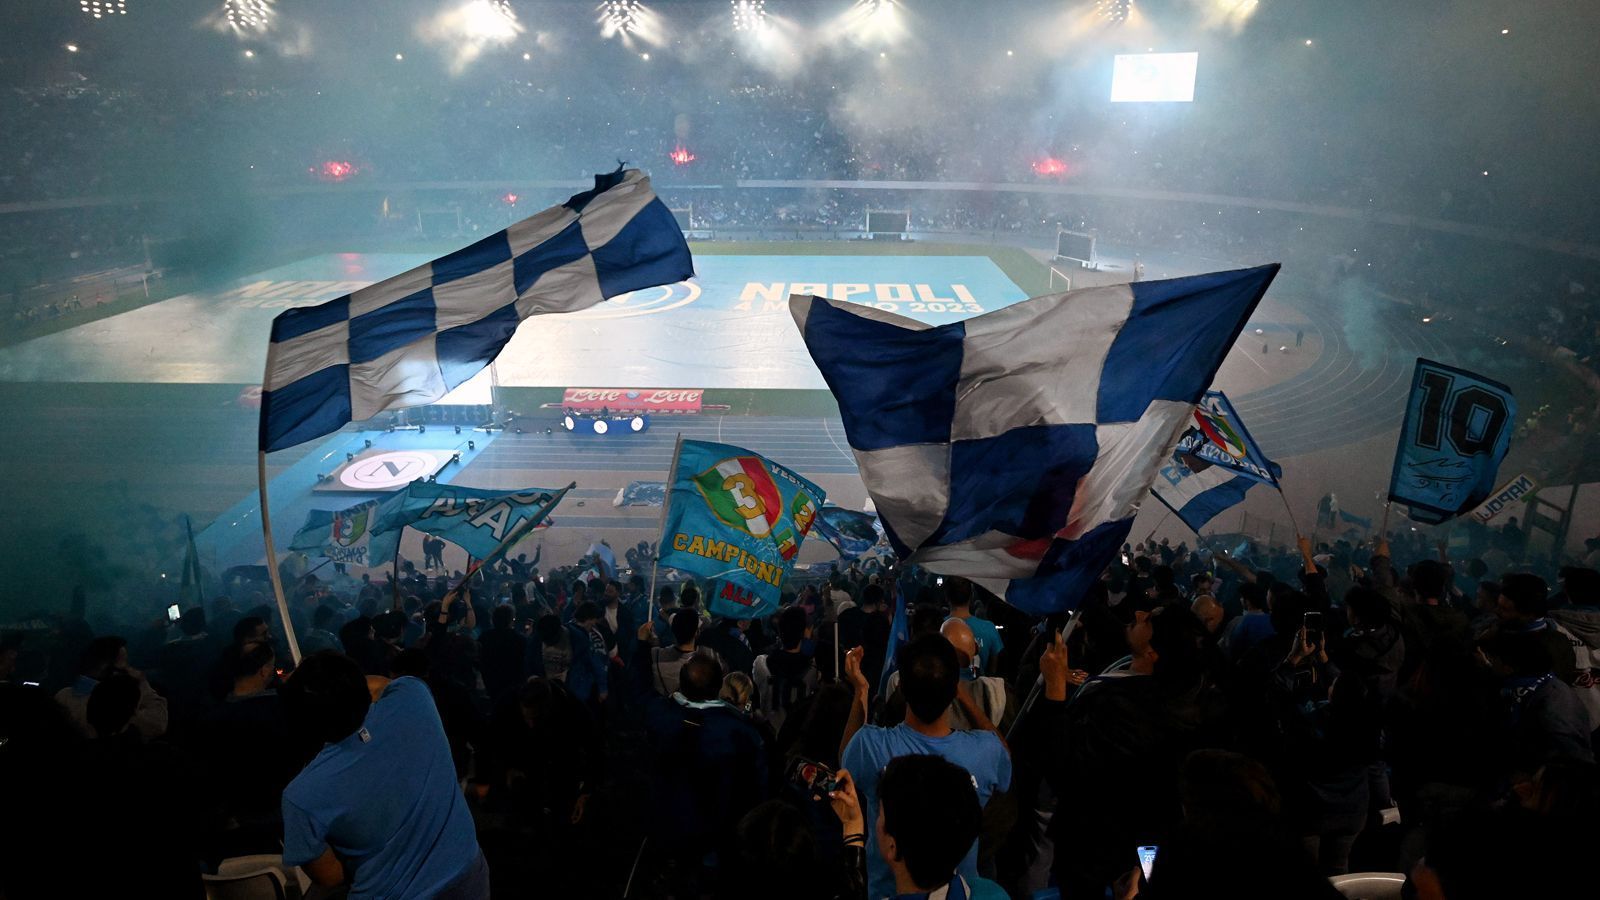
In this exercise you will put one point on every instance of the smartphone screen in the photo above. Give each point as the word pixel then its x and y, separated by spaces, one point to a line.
pixel 1147 860
pixel 1313 623
pixel 173 613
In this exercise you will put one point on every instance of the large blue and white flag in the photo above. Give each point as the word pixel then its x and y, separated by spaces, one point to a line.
pixel 411 339
pixel 1014 448
pixel 1197 497
pixel 1219 438
pixel 1456 432
pixel 477 520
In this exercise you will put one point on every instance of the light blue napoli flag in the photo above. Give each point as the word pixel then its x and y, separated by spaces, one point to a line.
pixel 1015 447
pixel 1198 497
pixel 474 519
pixel 850 532
pixel 1456 433
pixel 411 339
pixel 738 518
pixel 342 535
pixel 1219 438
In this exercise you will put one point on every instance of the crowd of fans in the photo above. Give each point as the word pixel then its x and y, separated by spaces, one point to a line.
pixel 1266 720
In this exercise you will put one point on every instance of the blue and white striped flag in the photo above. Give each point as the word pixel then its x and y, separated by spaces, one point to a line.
pixel 1198 497
pixel 1014 448
pixel 411 339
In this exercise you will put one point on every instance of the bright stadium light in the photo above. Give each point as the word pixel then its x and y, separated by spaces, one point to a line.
pixel 1114 11
pixel 248 16
pixel 103 9
pixel 871 22
pixel 620 16
pixel 749 15
pixel 490 20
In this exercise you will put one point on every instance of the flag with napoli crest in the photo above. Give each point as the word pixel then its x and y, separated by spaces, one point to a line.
pixel 739 518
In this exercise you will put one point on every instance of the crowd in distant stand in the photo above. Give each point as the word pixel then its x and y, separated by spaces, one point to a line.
pixel 1266 719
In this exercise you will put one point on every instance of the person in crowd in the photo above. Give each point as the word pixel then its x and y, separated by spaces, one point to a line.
pixel 708 769
pixel 379 806
pixel 616 625
pixel 959 592
pixel 576 655
pixel 786 675
pixel 1543 719
pixel 661 665
pixel 1210 613
pixel 542 760
pixel 1253 626
pixel 1131 731
pixel 928 817
pixel 502 653
pixel 106 656
pixel 319 638
pixel 249 753
pixel 730 639
pixel 929 680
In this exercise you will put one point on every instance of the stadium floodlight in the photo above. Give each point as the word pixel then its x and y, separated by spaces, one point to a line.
pixel 620 16
pixel 103 9
pixel 248 16
pixel 600 426
pixel 749 15
pixel 490 20
pixel 1114 11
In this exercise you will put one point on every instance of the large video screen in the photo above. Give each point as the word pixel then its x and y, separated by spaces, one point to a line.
pixel 1153 77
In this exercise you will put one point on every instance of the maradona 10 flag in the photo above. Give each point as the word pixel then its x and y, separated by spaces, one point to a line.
pixel 1456 432
pixel 410 340
pixel 1014 448
pixel 739 518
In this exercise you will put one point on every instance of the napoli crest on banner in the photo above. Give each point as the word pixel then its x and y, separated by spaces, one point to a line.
pixel 1219 438
pixel 740 519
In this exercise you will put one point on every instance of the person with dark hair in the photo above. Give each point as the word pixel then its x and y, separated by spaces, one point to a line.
pixel 381 798
pixel 541 760
pixel 729 638
pixel 659 666
pixel 928 816
pixel 786 675
pixel 502 653
pixel 251 628
pixel 929 680
pixel 319 636
pixel 248 753
pixel 708 769
pixel 1524 607
pixel 1115 748
pixel 1543 717
pixel 1253 626
pixel 120 776
pixel 959 593
pixel 103 657
pixel 583 650
pixel 361 644
pixel 1373 648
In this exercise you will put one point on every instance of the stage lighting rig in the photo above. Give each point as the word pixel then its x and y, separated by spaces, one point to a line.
pixel 248 16
pixel 749 15
pixel 103 9
pixel 1114 11
pixel 620 16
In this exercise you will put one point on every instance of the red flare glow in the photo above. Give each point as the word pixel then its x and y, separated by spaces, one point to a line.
pixel 681 156
pixel 334 170
pixel 510 199
pixel 1049 166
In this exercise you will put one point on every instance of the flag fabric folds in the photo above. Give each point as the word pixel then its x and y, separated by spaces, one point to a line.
pixel 1457 431
pixel 738 518
pixel 1219 438
pixel 1014 448
pixel 409 340
pixel 342 535
pixel 1198 497
pixel 477 520
pixel 850 532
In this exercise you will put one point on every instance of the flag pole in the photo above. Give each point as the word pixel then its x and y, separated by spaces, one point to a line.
pixel 272 558
pixel 394 572
pixel 517 535
pixel 666 504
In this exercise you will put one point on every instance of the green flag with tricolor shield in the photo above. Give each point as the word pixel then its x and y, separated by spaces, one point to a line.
pixel 738 518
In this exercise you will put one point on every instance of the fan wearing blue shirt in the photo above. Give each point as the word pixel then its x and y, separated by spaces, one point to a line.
pixel 380 805
pixel 929 675
pixel 959 592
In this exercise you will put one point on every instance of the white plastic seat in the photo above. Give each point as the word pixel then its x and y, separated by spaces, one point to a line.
pixel 1369 885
